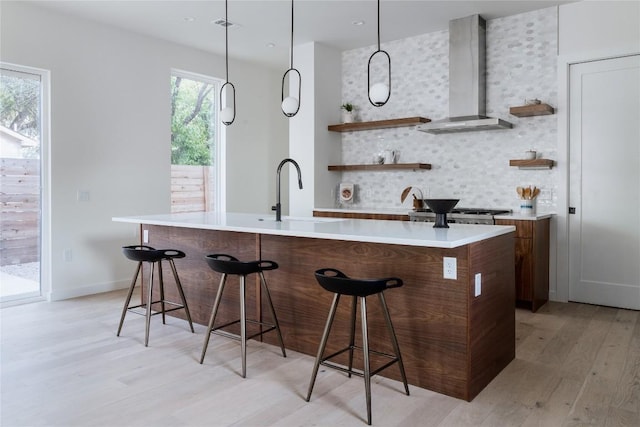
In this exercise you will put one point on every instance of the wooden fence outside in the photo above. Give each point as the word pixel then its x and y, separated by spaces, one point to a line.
pixel 20 204
pixel 20 208
pixel 190 188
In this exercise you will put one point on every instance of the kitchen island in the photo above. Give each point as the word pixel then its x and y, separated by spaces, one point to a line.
pixel 455 336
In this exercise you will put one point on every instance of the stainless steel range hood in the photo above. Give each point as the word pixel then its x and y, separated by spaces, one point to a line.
pixel 467 93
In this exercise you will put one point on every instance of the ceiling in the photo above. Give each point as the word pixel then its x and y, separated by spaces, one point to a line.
pixel 264 27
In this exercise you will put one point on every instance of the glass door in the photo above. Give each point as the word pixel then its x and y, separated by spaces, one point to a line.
pixel 21 155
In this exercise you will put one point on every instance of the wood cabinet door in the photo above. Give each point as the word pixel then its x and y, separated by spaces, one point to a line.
pixel 524 269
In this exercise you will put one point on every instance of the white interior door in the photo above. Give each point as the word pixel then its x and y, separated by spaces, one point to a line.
pixel 604 187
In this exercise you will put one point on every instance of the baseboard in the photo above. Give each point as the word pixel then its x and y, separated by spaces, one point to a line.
pixel 97 288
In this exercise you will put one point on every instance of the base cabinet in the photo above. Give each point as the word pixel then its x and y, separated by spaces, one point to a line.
pixel 532 261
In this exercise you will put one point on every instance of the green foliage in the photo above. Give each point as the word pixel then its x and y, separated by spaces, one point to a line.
pixel 348 106
pixel 20 108
pixel 192 128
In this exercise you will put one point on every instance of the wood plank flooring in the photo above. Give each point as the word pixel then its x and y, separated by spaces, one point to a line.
pixel 62 365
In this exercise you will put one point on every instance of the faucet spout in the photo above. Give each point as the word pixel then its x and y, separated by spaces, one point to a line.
pixel 278 206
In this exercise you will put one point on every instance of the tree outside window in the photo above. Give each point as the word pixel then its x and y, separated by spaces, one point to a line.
pixel 20 111
pixel 192 128
pixel 195 143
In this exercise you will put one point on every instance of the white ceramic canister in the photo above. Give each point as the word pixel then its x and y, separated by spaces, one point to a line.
pixel 528 206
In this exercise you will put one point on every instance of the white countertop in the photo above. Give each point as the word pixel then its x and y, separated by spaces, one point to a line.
pixel 358 230
pixel 515 216
pixel 384 211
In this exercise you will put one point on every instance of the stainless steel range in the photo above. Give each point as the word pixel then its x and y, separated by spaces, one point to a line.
pixel 460 215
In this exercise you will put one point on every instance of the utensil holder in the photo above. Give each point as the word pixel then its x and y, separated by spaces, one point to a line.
pixel 528 206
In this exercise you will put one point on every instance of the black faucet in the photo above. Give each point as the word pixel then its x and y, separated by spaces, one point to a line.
pixel 278 207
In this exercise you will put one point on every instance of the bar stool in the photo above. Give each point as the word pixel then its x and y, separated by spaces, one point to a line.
pixel 140 254
pixel 337 282
pixel 229 265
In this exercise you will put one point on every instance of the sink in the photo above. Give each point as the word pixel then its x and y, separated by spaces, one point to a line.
pixel 315 220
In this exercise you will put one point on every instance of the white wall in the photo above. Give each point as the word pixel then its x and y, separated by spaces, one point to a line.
pixel 310 143
pixel 111 135
pixel 523 57
pixel 588 31
pixel 599 28
pixel 471 166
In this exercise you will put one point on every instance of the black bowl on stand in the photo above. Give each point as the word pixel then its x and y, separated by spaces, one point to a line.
pixel 441 207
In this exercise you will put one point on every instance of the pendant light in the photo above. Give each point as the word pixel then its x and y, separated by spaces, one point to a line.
pixel 227 114
pixel 291 104
pixel 379 93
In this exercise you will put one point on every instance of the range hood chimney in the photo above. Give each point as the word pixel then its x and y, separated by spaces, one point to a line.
pixel 467 75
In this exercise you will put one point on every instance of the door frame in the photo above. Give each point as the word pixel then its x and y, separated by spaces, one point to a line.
pixel 45 182
pixel 559 265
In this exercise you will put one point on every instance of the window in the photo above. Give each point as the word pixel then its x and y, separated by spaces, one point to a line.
pixel 197 144
pixel 24 195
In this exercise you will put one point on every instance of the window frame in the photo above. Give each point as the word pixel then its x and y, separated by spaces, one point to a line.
pixel 45 180
pixel 220 136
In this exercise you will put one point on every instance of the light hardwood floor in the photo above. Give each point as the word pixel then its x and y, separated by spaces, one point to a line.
pixel 62 365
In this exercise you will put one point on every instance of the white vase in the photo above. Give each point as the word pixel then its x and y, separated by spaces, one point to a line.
pixel 347 116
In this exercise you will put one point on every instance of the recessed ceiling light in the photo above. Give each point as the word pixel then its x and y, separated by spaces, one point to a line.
pixel 271 45
pixel 189 19
pixel 224 23
pixel 358 23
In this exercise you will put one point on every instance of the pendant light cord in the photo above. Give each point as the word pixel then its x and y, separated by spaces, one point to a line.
pixel 226 36
pixel 291 48
pixel 378 102
pixel 224 90
pixel 378 24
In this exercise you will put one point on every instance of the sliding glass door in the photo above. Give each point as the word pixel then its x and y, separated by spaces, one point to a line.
pixel 22 109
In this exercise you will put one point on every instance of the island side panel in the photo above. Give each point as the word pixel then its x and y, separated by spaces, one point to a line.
pixel 429 312
pixel 199 281
pixel 492 313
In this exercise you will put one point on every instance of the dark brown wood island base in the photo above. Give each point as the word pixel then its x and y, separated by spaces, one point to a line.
pixel 452 341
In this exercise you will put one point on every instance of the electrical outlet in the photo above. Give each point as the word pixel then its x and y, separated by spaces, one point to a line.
pixel 83 195
pixel 450 268
pixel 145 236
pixel 478 290
pixel 67 255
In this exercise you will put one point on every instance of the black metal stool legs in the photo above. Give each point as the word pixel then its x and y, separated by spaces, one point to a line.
pixel 352 332
pixel 366 373
pixel 243 327
pixel 365 351
pixel 181 292
pixel 161 292
pixel 394 340
pixel 243 319
pixel 273 313
pixel 128 300
pixel 323 343
pixel 148 306
pixel 141 253
pixel 214 312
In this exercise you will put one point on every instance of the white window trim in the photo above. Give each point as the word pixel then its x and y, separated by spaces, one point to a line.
pixel 220 196
pixel 45 180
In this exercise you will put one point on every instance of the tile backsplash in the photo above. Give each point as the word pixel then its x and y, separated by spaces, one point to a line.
pixel 473 166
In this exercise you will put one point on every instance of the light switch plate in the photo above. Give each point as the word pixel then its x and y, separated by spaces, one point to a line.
pixel 478 289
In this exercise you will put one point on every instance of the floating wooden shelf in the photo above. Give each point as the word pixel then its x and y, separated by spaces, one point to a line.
pixel 532 164
pixel 392 166
pixel 532 110
pixel 378 124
